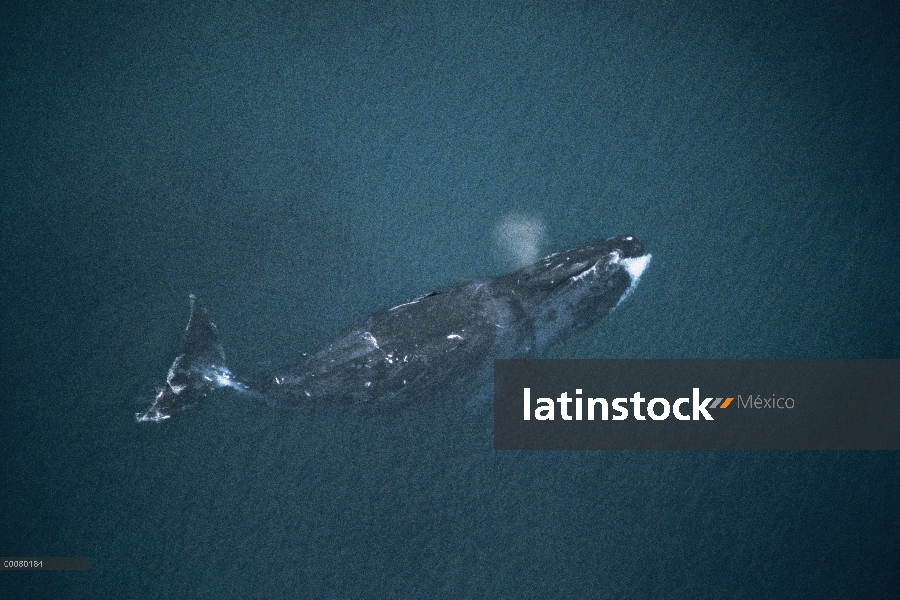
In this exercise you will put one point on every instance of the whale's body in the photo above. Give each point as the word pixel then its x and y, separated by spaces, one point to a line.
pixel 441 342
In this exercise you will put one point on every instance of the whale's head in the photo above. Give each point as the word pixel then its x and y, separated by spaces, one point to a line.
pixel 567 292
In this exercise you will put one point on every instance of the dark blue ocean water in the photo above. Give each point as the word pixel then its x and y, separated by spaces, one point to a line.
pixel 299 166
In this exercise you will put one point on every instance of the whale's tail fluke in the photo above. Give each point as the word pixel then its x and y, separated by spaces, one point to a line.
pixel 198 370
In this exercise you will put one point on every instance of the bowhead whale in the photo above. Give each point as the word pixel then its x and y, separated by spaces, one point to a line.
pixel 428 346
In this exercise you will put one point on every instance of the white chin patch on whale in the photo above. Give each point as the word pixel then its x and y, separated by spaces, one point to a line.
pixel 636 266
pixel 519 238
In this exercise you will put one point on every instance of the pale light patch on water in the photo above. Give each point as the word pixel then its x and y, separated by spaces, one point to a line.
pixel 519 238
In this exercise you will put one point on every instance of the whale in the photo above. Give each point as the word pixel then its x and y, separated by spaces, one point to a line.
pixel 437 345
